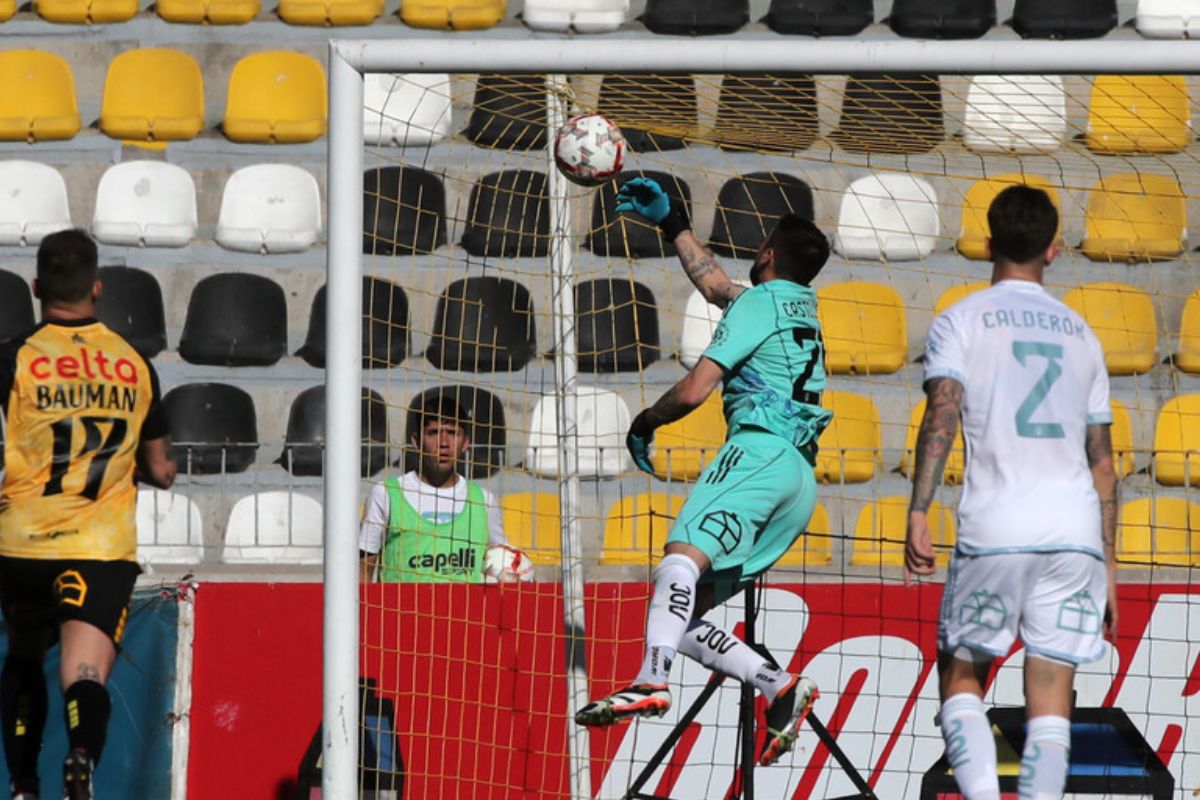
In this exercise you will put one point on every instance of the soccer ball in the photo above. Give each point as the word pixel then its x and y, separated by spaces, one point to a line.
pixel 589 150
pixel 504 564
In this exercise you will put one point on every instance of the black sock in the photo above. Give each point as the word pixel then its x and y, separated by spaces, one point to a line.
pixel 23 716
pixel 87 708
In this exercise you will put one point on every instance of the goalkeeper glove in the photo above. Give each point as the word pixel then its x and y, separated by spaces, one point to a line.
pixel 638 441
pixel 645 197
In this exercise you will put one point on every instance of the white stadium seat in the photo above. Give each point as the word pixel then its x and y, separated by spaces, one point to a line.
pixel 1168 19
pixel 587 16
pixel 270 208
pixel 700 319
pixel 33 202
pixel 1015 114
pixel 274 528
pixel 406 109
pixel 169 528
pixel 603 418
pixel 890 217
pixel 145 203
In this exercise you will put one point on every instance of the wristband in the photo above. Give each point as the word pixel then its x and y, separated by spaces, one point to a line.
pixel 675 222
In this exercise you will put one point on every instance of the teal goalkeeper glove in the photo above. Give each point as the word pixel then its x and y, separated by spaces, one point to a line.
pixel 643 196
pixel 638 441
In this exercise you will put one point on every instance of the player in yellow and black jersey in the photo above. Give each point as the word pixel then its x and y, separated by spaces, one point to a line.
pixel 82 420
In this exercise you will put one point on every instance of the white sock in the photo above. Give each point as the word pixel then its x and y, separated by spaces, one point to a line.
pixel 723 652
pixel 1044 762
pixel 671 609
pixel 970 748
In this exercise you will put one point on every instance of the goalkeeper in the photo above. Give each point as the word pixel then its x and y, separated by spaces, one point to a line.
pixel 749 505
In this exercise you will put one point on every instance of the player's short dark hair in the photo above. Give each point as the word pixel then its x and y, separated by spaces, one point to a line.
pixel 66 266
pixel 800 248
pixel 1023 222
pixel 441 408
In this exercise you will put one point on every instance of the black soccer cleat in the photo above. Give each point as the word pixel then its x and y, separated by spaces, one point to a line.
pixel 784 716
pixel 77 776
pixel 642 700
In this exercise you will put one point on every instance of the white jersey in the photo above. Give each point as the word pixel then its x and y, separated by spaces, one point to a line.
pixel 1034 379
pixel 436 504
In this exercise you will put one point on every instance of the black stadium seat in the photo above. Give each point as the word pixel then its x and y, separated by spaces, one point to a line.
pixel 16 305
pixel 404 211
pixel 235 319
pixel 485 428
pixel 483 324
pixel 764 112
pixel 213 428
pixel 304 444
pixel 653 111
pixel 891 114
pixel 943 19
pixel 508 215
pixel 616 326
pixel 131 303
pixel 1064 19
pixel 820 17
pixel 630 235
pixel 509 112
pixel 384 321
pixel 695 17
pixel 749 206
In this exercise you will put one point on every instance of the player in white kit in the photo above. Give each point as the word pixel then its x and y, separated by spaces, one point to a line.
pixel 1037 518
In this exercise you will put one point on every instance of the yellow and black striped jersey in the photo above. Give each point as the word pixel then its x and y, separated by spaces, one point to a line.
pixel 77 401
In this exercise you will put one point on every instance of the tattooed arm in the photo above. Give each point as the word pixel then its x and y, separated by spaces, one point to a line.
pixel 685 396
pixel 1098 444
pixel 934 441
pixel 704 272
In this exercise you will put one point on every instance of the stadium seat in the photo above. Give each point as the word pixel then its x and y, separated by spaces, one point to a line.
pixel 483 324
pixel 937 19
pixel 616 326
pixel 304 443
pixel 145 204
pixel 700 319
pixel 851 448
pixel 276 97
pixel 86 12
pixel 412 109
pixel 384 326
pixel 820 17
pixel 1177 442
pixel 602 420
pixel 1122 316
pixel 636 528
pixel 887 217
pixel 1121 434
pixel 270 208
pixel 486 428
pixel 586 16
pixel 880 530
pixel 955 463
pixel 1168 19
pixel 814 547
pixel 748 208
pixel 8 8
pixel 1159 532
pixel 1064 19
pixel 16 305
pixel 974 234
pixel 1015 114
pixel 132 305
pixel 890 114
pixel 683 448
pixel 767 113
pixel 509 112
pixel 235 319
pixel 533 524
pixel 695 17
pixel 1139 114
pixel 626 235
pixel 277 527
pixel 404 211
pixel 169 528
pixel 654 111
pixel 213 428
pixel 864 328
pixel 33 202
pixel 508 215
pixel 956 293
pixel 38 101
pixel 1135 217
pixel 455 15
pixel 153 95
pixel 213 12
pixel 1188 356
pixel 329 13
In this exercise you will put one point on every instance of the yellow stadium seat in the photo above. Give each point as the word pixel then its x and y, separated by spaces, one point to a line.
pixel 863 327
pixel 1121 434
pixel 330 12
pixel 153 94
pixel 78 12
pixel 956 293
pixel 455 15
pixel 1188 357
pixel 1123 318
pixel 955 463
pixel 850 449
pixel 974 233
pixel 1177 442
pixel 531 523
pixel 214 12
pixel 683 448
pixel 636 528
pixel 1163 531
pixel 276 97
pixel 7 9
pixel 814 547
pixel 882 525
pixel 38 100
pixel 1139 114
pixel 1134 217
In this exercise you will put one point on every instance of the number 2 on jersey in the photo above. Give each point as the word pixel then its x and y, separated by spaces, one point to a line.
pixel 1052 353
pixel 101 448
pixel 800 391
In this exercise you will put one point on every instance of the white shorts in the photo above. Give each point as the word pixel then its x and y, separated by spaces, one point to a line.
pixel 1055 601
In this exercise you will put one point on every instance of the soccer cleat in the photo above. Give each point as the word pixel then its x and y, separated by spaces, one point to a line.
pixel 643 700
pixel 24 796
pixel 784 716
pixel 77 776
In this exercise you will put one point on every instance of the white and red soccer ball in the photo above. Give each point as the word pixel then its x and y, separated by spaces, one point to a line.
pixel 589 149
pixel 504 564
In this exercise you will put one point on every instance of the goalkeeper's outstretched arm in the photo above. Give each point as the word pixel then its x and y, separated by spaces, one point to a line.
pixel 703 270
